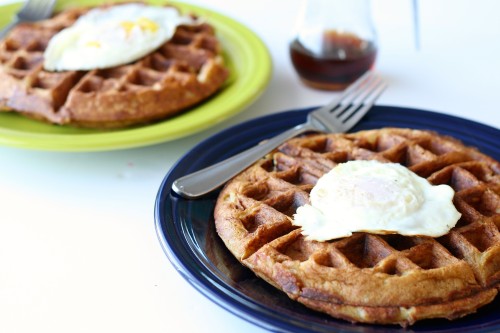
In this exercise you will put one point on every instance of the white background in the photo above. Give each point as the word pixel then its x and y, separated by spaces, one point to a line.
pixel 78 249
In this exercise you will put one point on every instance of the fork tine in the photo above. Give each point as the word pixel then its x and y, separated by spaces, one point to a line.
pixel 358 89
pixel 353 95
pixel 368 99
pixel 358 98
pixel 347 92
pixel 49 7
pixel 31 11
pixel 36 9
pixel 359 82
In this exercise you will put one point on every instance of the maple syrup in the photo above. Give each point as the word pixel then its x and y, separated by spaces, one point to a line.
pixel 344 57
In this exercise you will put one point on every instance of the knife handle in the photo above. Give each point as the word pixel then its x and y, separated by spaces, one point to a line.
pixel 208 179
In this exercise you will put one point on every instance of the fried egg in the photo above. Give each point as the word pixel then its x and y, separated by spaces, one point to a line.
pixel 108 37
pixel 375 197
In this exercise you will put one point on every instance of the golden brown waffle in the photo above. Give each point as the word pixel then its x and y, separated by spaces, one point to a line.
pixel 366 277
pixel 183 72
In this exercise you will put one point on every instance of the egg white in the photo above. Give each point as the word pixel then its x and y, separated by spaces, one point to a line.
pixel 108 37
pixel 376 197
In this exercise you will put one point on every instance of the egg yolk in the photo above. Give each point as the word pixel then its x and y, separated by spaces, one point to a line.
pixel 147 24
pixel 93 44
pixel 143 23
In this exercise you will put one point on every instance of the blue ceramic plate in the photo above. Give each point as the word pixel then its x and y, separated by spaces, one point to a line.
pixel 186 229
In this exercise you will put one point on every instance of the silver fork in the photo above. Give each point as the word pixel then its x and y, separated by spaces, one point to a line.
pixel 32 10
pixel 338 116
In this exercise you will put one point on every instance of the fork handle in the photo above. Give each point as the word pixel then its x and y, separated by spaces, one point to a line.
pixel 208 179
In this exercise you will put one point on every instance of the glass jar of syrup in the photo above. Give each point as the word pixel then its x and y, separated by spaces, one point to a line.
pixel 335 43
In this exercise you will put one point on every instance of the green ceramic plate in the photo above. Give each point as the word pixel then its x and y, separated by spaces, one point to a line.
pixel 246 56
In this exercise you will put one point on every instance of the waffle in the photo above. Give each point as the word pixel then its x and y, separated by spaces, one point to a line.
pixel 383 279
pixel 181 73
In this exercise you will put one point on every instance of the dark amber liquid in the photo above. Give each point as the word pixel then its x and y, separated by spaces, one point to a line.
pixel 343 59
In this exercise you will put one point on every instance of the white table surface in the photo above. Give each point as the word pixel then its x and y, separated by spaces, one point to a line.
pixel 78 248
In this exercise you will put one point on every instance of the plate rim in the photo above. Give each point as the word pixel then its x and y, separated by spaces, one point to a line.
pixel 240 91
pixel 222 299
